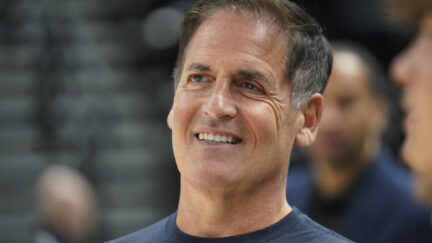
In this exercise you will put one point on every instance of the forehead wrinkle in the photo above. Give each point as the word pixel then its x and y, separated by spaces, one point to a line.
pixel 265 40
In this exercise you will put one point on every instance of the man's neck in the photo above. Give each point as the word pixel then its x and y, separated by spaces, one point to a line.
pixel 331 182
pixel 217 213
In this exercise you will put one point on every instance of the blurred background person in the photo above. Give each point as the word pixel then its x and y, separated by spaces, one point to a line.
pixel 412 70
pixel 66 207
pixel 352 184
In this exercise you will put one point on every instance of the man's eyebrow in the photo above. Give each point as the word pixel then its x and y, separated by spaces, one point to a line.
pixel 255 75
pixel 198 67
pixel 248 74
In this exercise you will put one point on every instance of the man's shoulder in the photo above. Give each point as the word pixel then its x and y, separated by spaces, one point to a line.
pixel 307 230
pixel 396 217
pixel 153 233
pixel 319 233
pixel 394 189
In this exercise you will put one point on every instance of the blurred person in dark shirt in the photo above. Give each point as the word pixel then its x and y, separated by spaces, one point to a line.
pixel 352 184
pixel 66 207
pixel 412 70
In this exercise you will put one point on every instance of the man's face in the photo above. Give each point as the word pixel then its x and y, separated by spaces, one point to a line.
pixel 347 124
pixel 232 122
pixel 412 69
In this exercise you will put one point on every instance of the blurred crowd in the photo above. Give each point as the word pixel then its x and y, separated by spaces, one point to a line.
pixel 85 88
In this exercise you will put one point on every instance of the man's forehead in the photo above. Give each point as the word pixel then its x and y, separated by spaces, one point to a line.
pixel 246 43
pixel 350 71
pixel 227 29
pixel 347 62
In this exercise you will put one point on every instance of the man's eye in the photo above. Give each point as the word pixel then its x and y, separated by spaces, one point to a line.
pixel 346 101
pixel 250 86
pixel 197 78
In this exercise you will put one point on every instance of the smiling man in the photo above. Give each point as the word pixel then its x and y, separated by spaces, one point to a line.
pixel 248 80
pixel 412 70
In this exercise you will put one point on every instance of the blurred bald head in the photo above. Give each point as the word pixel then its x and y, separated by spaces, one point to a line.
pixel 65 202
pixel 355 113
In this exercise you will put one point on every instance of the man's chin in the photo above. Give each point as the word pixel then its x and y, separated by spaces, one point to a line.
pixel 423 189
pixel 329 154
pixel 408 152
pixel 412 156
pixel 335 154
pixel 335 160
pixel 216 180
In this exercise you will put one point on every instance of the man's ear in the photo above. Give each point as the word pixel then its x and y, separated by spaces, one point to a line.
pixel 169 118
pixel 311 113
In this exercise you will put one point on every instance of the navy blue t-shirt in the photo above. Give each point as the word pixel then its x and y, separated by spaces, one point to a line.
pixel 293 228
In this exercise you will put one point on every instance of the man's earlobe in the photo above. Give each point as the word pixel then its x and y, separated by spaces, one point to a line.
pixel 311 113
pixel 304 138
pixel 169 119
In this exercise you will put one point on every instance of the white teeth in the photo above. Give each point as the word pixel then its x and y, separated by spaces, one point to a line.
pixel 217 138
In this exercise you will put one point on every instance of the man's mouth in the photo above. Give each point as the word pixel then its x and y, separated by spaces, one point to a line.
pixel 215 138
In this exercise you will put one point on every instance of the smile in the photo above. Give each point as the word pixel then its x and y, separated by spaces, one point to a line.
pixel 217 138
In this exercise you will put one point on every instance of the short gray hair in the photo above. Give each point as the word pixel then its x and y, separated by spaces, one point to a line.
pixel 308 56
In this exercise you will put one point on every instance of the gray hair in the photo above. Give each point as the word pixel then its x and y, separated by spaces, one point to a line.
pixel 308 56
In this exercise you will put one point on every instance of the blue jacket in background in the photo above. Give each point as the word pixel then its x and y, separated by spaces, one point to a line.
pixel 380 208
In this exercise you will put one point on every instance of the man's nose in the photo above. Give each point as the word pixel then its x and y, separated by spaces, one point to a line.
pixel 220 102
pixel 402 68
